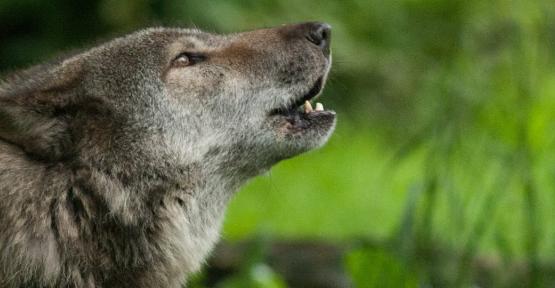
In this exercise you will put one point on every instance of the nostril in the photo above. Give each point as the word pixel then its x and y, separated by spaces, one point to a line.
pixel 324 33
pixel 314 38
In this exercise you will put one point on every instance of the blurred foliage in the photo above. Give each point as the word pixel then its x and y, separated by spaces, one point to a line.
pixel 445 139
pixel 258 276
pixel 376 268
pixel 254 273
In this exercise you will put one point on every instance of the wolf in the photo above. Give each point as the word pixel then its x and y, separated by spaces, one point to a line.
pixel 117 163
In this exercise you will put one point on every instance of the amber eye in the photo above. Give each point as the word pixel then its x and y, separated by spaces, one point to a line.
pixel 187 59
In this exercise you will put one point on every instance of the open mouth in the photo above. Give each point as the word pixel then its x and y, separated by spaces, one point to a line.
pixel 302 115
pixel 303 104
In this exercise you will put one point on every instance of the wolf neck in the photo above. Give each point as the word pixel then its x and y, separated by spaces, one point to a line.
pixel 135 189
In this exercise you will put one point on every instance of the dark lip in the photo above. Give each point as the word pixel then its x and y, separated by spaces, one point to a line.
pixel 313 92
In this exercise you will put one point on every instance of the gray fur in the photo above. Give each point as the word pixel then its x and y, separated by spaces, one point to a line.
pixel 116 167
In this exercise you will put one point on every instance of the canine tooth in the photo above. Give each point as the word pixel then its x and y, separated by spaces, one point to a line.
pixel 319 107
pixel 307 107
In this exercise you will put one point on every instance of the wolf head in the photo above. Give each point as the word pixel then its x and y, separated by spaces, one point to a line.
pixel 180 92
pixel 247 88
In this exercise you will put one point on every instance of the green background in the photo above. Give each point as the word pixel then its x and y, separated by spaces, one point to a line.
pixel 444 154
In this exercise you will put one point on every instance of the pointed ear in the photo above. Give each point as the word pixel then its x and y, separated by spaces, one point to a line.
pixel 33 109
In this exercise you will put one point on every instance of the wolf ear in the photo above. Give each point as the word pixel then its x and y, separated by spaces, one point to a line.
pixel 33 110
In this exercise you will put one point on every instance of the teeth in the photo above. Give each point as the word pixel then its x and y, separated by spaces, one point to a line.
pixel 319 107
pixel 307 107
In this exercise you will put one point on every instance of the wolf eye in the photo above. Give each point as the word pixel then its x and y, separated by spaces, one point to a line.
pixel 187 59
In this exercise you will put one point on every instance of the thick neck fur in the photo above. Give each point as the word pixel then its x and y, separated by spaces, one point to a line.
pixel 157 219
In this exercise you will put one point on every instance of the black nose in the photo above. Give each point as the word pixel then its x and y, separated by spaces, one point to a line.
pixel 320 34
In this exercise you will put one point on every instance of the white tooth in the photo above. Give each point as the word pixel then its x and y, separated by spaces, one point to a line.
pixel 307 107
pixel 319 107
